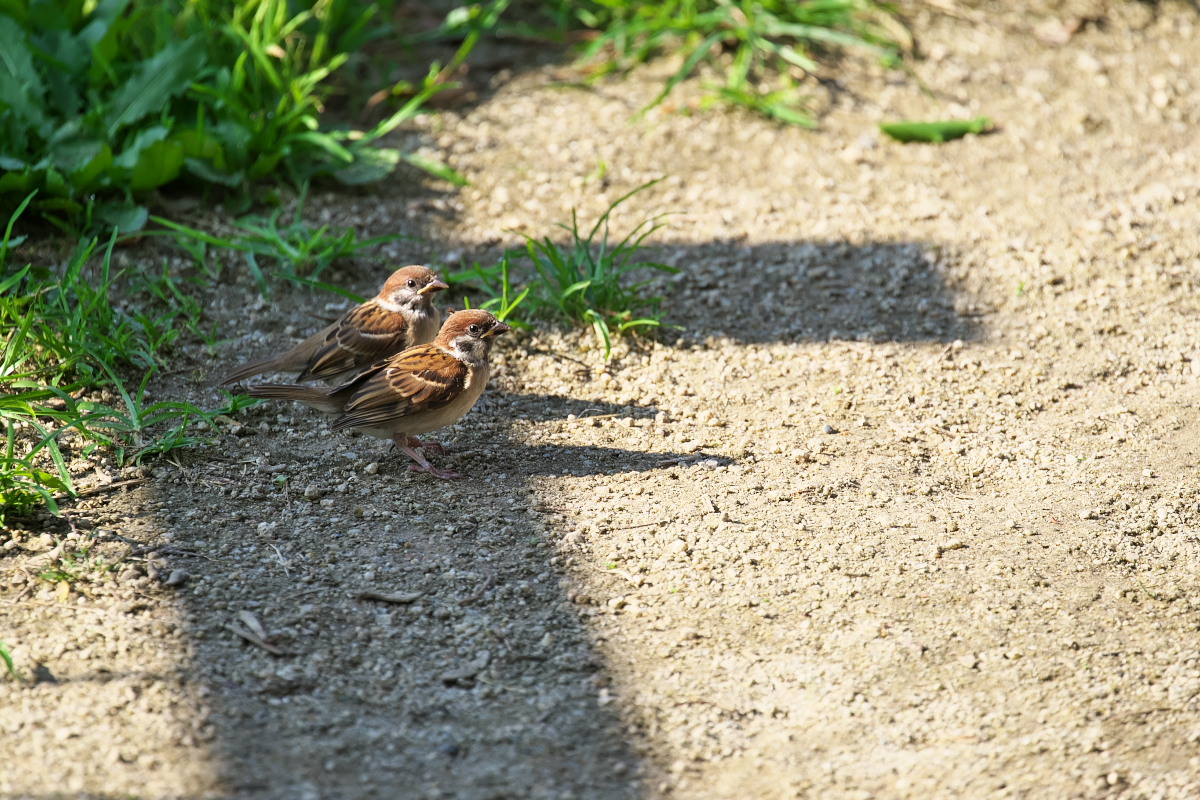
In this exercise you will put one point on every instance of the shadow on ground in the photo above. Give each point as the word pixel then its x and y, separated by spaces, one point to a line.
pixel 414 638
pixel 815 291
pixel 803 291
pixel 424 647
pixel 479 678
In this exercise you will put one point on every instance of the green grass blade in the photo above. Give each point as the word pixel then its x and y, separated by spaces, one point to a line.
pixel 436 168
pixel 6 657
pixel 697 55
pixel 7 241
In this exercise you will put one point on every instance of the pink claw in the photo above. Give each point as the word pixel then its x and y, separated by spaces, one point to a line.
pixel 423 465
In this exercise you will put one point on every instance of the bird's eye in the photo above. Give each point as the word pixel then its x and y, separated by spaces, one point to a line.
pixel 412 284
pixel 474 329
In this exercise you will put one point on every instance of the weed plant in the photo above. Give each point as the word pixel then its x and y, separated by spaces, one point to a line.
pixel 292 251
pixel 597 282
pixel 65 344
pixel 760 49
pixel 117 98
pixel 589 279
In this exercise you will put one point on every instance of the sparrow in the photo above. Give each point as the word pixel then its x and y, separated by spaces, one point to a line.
pixel 400 316
pixel 412 392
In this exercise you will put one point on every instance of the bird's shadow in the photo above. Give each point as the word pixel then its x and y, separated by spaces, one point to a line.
pixel 582 460
pixel 517 457
pixel 499 404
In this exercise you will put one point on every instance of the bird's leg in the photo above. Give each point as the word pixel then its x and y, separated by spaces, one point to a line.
pixel 423 465
pixel 432 447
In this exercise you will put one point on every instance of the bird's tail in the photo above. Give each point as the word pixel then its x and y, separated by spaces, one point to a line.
pixel 252 368
pixel 320 399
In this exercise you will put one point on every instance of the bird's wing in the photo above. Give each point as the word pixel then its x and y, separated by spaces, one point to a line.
pixel 364 335
pixel 419 379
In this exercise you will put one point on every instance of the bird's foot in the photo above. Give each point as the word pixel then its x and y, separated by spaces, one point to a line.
pixel 428 447
pixel 423 465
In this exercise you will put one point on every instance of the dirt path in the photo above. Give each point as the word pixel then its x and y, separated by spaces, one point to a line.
pixel 909 509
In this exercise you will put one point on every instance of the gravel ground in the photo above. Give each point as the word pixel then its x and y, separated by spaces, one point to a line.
pixel 907 508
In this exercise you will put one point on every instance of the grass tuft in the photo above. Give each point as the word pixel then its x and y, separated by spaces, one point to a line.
pixel 588 280
pixel 595 281
pixel 67 347
pixel 761 49
pixel 289 250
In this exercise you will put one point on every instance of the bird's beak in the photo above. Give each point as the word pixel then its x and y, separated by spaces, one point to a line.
pixel 436 285
pixel 498 329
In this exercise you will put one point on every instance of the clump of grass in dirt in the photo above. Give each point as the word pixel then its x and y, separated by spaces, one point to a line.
pixel 68 348
pixel 589 279
pixel 294 251
pixel 760 49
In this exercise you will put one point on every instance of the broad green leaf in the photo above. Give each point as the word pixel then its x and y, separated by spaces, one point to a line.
pixel 934 131
pixel 17 9
pixel 65 59
pixel 264 164
pixel 21 183
pixel 47 16
pixel 71 207
pixel 95 172
pixel 131 152
pixel 156 81
pixel 106 34
pixel 199 143
pixel 122 216
pixel 105 14
pixel 16 58
pixel 157 165
pixel 75 154
pixel 54 183
pixel 21 88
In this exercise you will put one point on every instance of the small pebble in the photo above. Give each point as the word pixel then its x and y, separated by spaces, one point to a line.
pixel 177 577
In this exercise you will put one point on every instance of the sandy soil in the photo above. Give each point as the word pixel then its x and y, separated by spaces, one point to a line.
pixel 907 508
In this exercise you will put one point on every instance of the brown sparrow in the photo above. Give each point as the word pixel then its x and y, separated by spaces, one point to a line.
pixel 400 316
pixel 413 392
